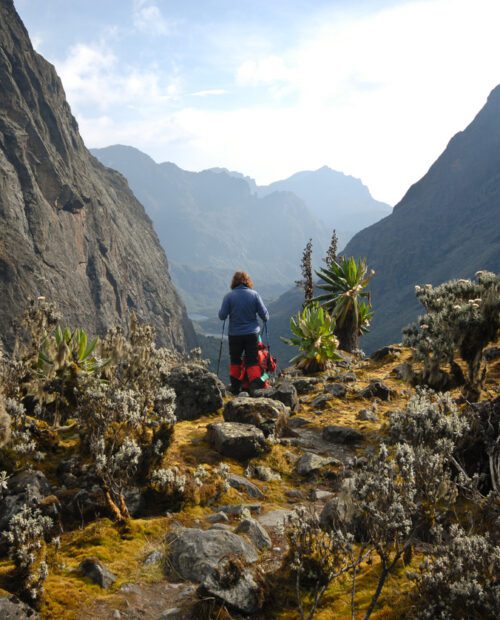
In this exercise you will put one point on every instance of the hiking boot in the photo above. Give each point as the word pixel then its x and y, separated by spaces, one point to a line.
pixel 235 386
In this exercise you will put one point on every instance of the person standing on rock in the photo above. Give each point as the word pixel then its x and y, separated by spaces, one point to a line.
pixel 242 304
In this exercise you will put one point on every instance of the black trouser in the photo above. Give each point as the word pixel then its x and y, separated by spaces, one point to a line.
pixel 244 344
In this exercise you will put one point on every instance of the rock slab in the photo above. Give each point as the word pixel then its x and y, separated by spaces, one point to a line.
pixel 237 441
pixel 193 553
pixel 271 416
pixel 198 392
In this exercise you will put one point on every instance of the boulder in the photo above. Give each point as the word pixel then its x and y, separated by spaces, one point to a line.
pixel 284 392
pixel 97 572
pixel 266 474
pixel 254 530
pixel 240 509
pixel 237 441
pixel 11 608
pixel 389 352
pixel 338 390
pixel 235 586
pixel 275 519
pixel 198 392
pixel 242 484
pixel 304 385
pixel 321 401
pixel 310 463
pixel 28 487
pixel 218 517
pixel 346 377
pixel 193 553
pixel 320 495
pixel 271 416
pixel 341 434
pixel 376 389
pixel 367 415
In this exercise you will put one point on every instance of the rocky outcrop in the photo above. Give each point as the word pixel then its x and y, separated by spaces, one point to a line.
pixel 271 416
pixel 194 553
pixel 237 441
pixel 198 392
pixel 70 229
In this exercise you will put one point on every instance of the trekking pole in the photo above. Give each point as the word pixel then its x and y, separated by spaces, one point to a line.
pixel 220 348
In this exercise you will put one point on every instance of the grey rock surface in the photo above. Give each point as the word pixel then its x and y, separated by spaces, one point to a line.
pixel 285 392
pixel 322 401
pixel 28 487
pixel 367 415
pixel 271 416
pixel 304 385
pixel 97 572
pixel 11 608
pixel 266 474
pixel 237 441
pixel 338 390
pixel 193 553
pixel 198 392
pixel 242 484
pixel 254 530
pixel 234 586
pixel 341 434
pixel 311 463
pixel 376 389
pixel 70 229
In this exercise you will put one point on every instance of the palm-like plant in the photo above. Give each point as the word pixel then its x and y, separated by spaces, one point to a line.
pixel 313 330
pixel 345 281
pixel 64 358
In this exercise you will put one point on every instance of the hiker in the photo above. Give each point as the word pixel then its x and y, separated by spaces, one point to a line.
pixel 242 304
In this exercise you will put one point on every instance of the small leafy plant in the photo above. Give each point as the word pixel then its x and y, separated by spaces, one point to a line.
pixel 313 330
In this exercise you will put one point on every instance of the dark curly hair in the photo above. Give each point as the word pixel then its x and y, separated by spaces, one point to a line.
pixel 241 277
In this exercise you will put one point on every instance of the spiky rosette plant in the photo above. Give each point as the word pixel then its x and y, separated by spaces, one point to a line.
pixel 345 282
pixel 314 334
pixel 463 316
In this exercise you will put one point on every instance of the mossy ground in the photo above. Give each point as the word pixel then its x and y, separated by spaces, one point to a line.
pixel 123 551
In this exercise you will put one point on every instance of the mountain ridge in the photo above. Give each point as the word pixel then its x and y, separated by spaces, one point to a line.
pixel 445 226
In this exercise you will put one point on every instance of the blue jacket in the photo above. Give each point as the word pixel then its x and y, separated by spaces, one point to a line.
pixel 242 305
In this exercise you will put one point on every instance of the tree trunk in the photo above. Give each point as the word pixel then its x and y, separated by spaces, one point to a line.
pixel 347 333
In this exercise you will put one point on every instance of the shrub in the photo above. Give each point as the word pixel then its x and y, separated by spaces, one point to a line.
pixel 5 423
pixel 461 316
pixel 25 537
pixel 432 426
pixel 313 330
pixel 316 557
pixel 345 282
pixel 460 580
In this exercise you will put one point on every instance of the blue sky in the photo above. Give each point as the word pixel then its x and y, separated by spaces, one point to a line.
pixel 373 88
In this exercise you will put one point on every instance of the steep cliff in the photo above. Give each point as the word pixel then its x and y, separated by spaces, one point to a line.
pixel 446 226
pixel 70 229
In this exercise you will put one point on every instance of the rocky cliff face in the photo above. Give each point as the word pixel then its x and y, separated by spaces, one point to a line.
pixel 446 226
pixel 70 229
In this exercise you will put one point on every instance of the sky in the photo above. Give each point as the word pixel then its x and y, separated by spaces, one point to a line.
pixel 372 88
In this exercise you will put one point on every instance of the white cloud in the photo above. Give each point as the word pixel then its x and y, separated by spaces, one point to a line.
pixel 147 17
pixel 210 92
pixel 93 77
pixel 376 96
pixel 267 70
